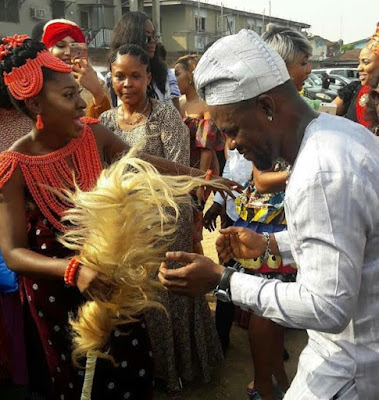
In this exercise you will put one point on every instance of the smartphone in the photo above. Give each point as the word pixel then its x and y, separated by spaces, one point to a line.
pixel 78 51
pixel 329 108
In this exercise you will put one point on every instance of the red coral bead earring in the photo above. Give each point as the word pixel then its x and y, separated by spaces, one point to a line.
pixel 39 124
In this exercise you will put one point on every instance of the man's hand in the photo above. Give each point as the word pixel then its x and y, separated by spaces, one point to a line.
pixel 238 242
pixel 209 220
pixel 200 276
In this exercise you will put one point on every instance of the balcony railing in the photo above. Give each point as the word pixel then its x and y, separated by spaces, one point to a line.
pixel 100 38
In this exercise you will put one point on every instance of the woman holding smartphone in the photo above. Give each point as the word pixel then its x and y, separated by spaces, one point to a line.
pixel 65 40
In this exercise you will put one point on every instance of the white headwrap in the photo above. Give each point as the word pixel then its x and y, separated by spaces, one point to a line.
pixel 238 67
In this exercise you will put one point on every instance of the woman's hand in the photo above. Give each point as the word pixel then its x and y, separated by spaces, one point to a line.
pixel 228 187
pixel 237 242
pixel 91 285
pixel 86 76
pixel 209 220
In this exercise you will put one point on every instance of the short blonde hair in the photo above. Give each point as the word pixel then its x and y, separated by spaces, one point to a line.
pixel 287 42
pixel 189 62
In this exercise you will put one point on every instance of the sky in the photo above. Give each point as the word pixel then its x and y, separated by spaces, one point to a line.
pixel 350 20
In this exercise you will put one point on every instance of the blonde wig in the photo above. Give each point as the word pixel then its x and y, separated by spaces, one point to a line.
pixel 122 229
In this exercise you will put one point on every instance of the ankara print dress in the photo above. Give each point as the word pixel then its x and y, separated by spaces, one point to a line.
pixel 184 341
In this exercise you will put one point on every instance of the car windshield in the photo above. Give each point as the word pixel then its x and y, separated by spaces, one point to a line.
pixel 314 80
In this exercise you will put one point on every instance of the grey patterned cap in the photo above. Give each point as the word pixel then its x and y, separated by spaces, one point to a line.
pixel 238 67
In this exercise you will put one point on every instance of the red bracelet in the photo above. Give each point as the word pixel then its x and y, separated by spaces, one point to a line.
pixel 208 175
pixel 70 272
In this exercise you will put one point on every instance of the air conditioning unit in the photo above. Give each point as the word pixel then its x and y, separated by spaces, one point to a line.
pixel 37 13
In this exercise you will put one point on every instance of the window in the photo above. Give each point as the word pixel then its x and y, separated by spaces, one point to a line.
pixel 84 20
pixel 58 9
pixel 230 24
pixel 250 24
pixel 9 11
pixel 199 24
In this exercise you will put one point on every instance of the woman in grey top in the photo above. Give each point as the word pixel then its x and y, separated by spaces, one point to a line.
pixel 184 342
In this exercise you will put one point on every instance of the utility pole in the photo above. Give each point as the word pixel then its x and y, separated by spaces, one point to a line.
pixel 156 14
pixel 222 19
pixel 269 10
pixel 198 26
pixel 134 5
pixel 263 20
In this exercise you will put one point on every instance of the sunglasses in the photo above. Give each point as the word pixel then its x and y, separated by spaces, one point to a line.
pixel 151 38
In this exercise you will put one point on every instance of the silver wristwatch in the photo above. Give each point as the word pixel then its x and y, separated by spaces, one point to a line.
pixel 222 291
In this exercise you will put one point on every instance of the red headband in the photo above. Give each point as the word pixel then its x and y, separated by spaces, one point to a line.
pixel 27 81
pixel 59 30
pixel 373 44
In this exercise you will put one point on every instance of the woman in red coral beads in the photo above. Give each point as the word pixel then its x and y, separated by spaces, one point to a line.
pixel 61 147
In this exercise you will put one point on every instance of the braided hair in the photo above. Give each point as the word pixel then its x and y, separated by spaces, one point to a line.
pixel 136 51
pixel 17 57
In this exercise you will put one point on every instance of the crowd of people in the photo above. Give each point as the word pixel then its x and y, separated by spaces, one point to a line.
pixel 103 184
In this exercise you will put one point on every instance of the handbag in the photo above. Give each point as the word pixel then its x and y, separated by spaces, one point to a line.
pixel 8 278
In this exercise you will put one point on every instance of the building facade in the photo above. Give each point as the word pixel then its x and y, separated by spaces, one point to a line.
pixel 323 48
pixel 95 17
pixel 185 26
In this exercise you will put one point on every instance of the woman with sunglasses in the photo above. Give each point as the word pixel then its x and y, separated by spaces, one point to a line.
pixel 136 28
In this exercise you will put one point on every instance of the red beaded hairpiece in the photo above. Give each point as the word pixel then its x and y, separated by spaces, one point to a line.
pixel 27 81
pixel 15 40
pixel 4 51
pixel 10 42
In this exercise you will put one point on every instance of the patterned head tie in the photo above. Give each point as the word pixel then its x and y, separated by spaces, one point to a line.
pixel 373 43
pixel 238 67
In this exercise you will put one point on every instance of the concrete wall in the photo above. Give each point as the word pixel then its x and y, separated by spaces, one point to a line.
pixel 320 49
pixel 98 18
pixel 174 28
pixel 26 23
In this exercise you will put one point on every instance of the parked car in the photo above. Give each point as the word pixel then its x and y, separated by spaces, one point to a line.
pixel 349 73
pixel 337 82
pixel 101 71
pixel 313 90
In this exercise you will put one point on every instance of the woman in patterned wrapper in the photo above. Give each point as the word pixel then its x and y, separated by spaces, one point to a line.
pixel 185 342
pixel 61 147
pixel 205 138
